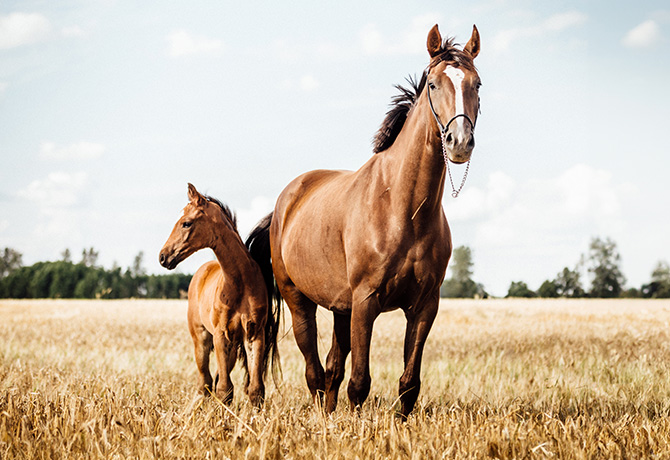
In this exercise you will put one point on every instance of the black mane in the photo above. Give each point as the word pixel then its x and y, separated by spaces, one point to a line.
pixel 403 102
pixel 230 214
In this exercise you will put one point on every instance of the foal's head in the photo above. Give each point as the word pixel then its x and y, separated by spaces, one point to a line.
pixel 198 227
pixel 453 91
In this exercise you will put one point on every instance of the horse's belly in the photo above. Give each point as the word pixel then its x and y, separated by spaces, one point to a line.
pixel 316 265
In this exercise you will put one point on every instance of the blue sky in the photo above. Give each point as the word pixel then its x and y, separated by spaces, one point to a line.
pixel 108 108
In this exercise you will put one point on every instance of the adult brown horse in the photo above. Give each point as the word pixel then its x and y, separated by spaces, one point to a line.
pixel 364 242
pixel 230 300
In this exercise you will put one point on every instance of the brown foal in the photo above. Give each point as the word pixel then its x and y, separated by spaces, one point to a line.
pixel 229 303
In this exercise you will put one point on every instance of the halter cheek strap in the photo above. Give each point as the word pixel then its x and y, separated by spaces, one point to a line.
pixel 443 134
pixel 445 128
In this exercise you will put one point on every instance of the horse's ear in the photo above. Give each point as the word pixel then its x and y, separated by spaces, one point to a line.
pixel 472 47
pixel 194 196
pixel 434 42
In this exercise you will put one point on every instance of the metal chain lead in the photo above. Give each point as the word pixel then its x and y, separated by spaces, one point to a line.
pixel 454 192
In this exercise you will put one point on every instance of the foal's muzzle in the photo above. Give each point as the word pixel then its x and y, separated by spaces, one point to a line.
pixel 166 261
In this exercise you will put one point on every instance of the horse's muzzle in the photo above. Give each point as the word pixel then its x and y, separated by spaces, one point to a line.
pixel 168 262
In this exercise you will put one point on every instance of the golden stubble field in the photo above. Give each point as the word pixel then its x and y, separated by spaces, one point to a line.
pixel 501 379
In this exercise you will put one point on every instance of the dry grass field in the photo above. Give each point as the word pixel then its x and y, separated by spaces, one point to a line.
pixel 501 379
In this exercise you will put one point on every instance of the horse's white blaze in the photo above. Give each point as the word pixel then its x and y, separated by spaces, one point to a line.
pixel 456 76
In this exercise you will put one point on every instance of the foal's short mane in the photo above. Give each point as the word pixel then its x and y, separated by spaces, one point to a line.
pixel 403 102
pixel 230 215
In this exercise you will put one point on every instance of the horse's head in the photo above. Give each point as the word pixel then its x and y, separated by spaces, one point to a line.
pixel 453 93
pixel 194 230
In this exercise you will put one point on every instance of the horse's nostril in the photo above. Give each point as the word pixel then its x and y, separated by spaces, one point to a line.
pixel 471 142
pixel 450 138
pixel 161 258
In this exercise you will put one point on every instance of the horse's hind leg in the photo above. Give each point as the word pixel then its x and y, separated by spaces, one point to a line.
pixel 254 342
pixel 418 327
pixel 303 317
pixel 337 358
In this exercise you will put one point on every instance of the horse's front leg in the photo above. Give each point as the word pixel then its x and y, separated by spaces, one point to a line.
pixel 419 323
pixel 363 315
pixel 337 358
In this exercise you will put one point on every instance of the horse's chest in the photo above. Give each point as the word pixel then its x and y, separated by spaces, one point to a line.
pixel 401 270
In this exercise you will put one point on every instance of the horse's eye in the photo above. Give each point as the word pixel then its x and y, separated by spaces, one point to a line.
pixel 187 224
pixel 431 85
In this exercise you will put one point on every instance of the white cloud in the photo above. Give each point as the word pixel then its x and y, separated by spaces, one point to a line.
pixel 17 29
pixel 412 40
pixel 79 151
pixel 182 43
pixel 529 230
pixel 73 32
pixel 371 39
pixel 555 23
pixel 58 190
pixel 308 83
pixel 644 35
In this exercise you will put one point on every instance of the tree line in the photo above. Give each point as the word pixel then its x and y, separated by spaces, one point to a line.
pixel 65 279
pixel 86 280
pixel 601 263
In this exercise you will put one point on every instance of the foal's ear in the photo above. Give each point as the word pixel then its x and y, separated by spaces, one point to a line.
pixel 194 196
pixel 434 42
pixel 472 47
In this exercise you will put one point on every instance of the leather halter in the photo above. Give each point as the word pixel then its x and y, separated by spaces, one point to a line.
pixel 443 135
pixel 445 128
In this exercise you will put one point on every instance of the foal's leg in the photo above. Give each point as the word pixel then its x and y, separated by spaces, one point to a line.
pixel 254 343
pixel 223 350
pixel 202 344
pixel 337 358
pixel 418 327
pixel 363 315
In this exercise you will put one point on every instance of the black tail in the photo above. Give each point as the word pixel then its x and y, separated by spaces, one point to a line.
pixel 258 244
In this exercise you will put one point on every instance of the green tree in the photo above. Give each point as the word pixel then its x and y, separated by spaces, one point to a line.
pixel 10 261
pixel 519 289
pixel 548 289
pixel 89 257
pixel 659 287
pixel 461 285
pixel 66 255
pixel 568 283
pixel 603 263
pixel 16 285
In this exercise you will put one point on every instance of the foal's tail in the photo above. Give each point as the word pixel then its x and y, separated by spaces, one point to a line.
pixel 258 244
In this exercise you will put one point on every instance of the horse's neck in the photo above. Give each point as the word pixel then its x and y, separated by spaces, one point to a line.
pixel 230 252
pixel 414 164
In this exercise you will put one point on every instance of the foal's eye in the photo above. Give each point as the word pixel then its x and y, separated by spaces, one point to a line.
pixel 431 85
pixel 187 224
